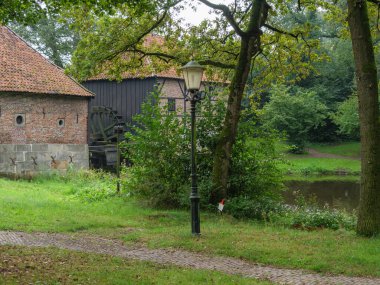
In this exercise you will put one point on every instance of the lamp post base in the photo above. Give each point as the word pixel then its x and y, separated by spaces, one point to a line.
pixel 195 219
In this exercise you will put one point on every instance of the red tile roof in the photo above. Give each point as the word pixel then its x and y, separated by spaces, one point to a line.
pixel 148 41
pixel 172 72
pixel 23 69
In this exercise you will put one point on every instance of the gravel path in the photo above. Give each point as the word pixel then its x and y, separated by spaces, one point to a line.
pixel 95 244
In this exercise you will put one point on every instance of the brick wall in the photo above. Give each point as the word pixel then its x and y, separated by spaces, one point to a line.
pixel 47 119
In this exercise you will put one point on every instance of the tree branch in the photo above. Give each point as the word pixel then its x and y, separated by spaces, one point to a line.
pixel 245 13
pixel 138 39
pixel 167 57
pixel 217 64
pixel 228 14
pixel 281 32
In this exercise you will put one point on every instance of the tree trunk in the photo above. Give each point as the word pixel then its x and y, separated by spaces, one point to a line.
pixel 366 77
pixel 250 45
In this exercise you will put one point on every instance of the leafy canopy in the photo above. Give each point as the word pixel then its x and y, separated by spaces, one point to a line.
pixel 116 42
pixel 296 113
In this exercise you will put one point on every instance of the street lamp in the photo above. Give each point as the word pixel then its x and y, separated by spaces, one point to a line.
pixel 118 129
pixel 192 74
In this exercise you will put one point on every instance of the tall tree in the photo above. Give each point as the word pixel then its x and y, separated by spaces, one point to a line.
pixel 51 36
pixel 249 47
pixel 367 89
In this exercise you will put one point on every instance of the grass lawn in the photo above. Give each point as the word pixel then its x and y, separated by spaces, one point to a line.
pixel 346 149
pixel 316 178
pixel 301 164
pixel 50 206
pixel 54 266
pixel 307 168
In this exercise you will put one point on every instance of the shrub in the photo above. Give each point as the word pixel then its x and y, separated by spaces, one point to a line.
pixel 314 218
pixel 347 117
pixel 308 215
pixel 296 114
pixel 260 209
pixel 158 147
pixel 305 215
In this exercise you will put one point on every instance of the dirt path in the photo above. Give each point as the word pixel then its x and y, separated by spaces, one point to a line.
pixel 314 153
pixel 95 244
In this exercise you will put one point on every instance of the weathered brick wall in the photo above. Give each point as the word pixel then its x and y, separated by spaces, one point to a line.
pixel 42 114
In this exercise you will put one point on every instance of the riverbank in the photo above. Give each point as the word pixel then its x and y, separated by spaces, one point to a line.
pixel 324 163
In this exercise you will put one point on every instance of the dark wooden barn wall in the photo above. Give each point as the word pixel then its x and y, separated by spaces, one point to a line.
pixel 125 97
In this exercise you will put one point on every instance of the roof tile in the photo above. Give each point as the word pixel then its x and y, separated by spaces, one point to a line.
pixel 23 69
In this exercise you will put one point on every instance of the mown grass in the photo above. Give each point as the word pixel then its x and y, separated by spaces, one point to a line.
pixel 50 206
pixel 54 266
pixel 350 149
pixel 306 168
pixel 302 164
pixel 317 178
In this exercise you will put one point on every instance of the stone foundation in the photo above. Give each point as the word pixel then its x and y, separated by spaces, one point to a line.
pixel 31 159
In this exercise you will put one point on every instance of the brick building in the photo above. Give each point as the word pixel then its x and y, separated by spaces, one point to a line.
pixel 43 112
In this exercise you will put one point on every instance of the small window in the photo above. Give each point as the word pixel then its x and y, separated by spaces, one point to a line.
pixel 171 104
pixel 20 120
pixel 61 123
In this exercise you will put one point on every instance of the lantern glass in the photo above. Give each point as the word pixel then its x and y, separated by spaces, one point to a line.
pixel 192 74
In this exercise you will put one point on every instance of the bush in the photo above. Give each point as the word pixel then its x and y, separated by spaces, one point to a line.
pixel 305 215
pixel 314 218
pixel 296 114
pixel 347 117
pixel 260 209
pixel 158 147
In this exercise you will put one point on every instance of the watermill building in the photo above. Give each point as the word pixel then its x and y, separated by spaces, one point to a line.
pixel 43 112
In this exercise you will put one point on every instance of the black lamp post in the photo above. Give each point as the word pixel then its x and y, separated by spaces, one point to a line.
pixel 192 74
pixel 118 130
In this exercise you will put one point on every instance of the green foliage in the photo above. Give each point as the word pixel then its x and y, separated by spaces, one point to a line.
pixel 347 117
pixel 314 218
pixel 307 215
pixel 51 36
pixel 92 185
pixel 159 148
pixel 255 161
pixel 25 11
pixel 296 114
pixel 258 209
pixel 333 79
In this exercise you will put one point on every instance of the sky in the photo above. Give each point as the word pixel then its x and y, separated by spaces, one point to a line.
pixel 202 12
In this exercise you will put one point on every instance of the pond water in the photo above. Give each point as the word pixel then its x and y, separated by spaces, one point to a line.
pixel 337 194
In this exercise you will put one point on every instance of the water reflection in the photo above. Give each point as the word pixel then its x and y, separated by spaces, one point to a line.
pixel 337 194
